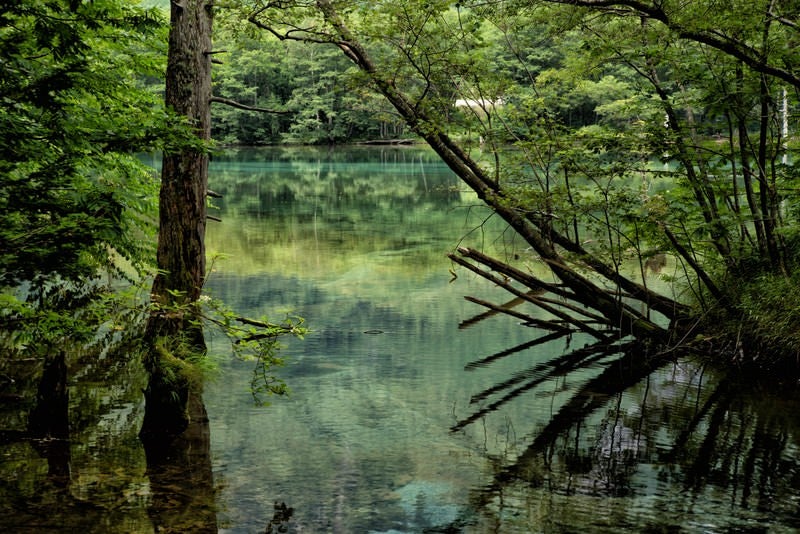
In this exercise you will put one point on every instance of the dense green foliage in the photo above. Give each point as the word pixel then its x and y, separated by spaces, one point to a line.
pixel 310 94
pixel 73 111
pixel 75 202
pixel 611 133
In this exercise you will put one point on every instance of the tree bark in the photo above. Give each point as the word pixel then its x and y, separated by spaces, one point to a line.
pixel 538 233
pixel 182 213
pixel 184 174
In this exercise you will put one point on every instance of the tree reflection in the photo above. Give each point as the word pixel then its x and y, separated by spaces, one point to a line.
pixel 672 433
pixel 181 480
pixel 60 421
pixel 72 459
pixel 48 422
pixel 745 444
pixel 280 519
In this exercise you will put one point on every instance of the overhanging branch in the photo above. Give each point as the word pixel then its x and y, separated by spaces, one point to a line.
pixel 239 105
pixel 713 38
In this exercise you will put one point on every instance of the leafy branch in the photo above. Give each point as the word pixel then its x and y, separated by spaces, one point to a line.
pixel 254 340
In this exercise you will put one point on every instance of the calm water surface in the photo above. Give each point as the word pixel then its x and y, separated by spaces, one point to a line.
pixel 355 242
pixel 410 409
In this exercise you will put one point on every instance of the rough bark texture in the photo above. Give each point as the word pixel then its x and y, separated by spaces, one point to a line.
pixel 182 218
pixel 184 175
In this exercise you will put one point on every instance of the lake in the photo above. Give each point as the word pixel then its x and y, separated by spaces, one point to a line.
pixel 411 409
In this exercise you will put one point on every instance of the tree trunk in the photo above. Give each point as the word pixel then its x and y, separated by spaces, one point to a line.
pixel 182 217
pixel 184 174
pixel 536 231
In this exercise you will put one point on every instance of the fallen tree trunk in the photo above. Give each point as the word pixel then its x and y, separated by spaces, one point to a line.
pixel 605 304
pixel 544 240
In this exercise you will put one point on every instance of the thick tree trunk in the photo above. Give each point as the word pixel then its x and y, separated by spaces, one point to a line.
pixel 182 206
pixel 184 174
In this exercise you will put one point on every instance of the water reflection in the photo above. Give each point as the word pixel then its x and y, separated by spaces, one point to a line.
pixel 48 422
pixel 181 480
pixel 677 448
pixel 412 410
pixel 400 421
pixel 72 458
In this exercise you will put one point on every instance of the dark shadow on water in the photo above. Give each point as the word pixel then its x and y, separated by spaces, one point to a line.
pixel 181 479
pixel 621 374
pixel 528 379
pixel 699 439
pixel 48 422
pixel 280 519
pixel 71 457
pixel 39 506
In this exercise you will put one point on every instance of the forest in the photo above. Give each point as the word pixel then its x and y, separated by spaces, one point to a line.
pixel 642 151
pixel 614 138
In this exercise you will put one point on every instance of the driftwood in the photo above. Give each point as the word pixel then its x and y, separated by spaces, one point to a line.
pixel 546 325
pixel 513 303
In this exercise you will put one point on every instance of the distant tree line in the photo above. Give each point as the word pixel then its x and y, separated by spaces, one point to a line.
pixel 310 95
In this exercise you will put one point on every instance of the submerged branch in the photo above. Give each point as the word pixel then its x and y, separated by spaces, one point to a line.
pixel 483 362
pixel 512 272
pixel 529 296
pixel 547 325
pixel 513 303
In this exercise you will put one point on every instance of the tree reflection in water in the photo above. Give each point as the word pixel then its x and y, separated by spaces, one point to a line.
pixel 640 427
pixel 363 446
pixel 72 459
pixel 48 422
pixel 181 481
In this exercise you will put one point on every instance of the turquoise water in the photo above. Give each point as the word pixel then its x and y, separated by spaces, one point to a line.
pixel 364 442
pixel 411 409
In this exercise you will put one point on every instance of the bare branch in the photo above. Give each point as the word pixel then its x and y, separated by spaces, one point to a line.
pixel 238 105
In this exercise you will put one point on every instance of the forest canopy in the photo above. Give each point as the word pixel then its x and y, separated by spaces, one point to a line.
pixel 614 137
